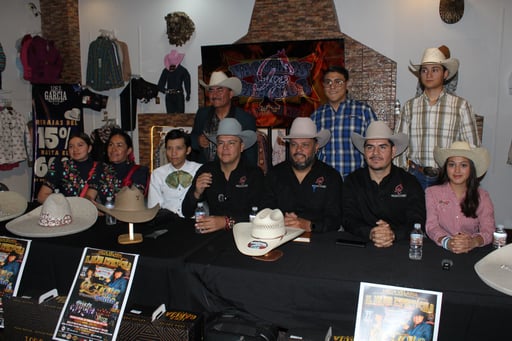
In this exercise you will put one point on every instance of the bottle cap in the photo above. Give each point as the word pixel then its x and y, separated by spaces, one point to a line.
pixel 417 226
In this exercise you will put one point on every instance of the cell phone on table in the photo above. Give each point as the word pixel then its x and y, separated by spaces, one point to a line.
pixel 350 242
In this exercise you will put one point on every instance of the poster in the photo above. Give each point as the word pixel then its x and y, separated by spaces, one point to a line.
pixel 390 313
pixel 97 299
pixel 57 115
pixel 13 256
pixel 280 80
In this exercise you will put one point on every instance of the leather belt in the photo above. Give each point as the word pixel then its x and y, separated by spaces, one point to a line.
pixel 428 171
pixel 173 91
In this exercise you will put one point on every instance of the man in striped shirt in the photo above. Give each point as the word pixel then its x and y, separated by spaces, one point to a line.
pixel 434 118
pixel 341 116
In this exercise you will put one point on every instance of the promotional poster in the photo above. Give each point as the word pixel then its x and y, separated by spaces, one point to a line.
pixel 280 80
pixel 57 115
pixel 13 256
pixel 390 313
pixel 96 302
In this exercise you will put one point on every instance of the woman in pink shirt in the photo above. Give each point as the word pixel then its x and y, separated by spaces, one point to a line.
pixel 460 215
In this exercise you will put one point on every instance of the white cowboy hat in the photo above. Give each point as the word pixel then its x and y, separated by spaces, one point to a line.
pixel 130 207
pixel 479 156
pixel 433 55
pixel 379 130
pixel 265 233
pixel 12 205
pixel 58 216
pixel 73 114
pixel 305 128
pixel 219 78
pixel 495 269
pixel 230 126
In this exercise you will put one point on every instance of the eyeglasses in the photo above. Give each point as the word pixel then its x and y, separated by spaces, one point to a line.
pixel 333 82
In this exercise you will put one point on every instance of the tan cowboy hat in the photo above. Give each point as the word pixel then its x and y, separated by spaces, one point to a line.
pixel 479 156
pixel 58 216
pixel 130 207
pixel 434 55
pixel 495 269
pixel 219 78
pixel 380 130
pixel 265 233
pixel 12 205
pixel 305 128
pixel 230 126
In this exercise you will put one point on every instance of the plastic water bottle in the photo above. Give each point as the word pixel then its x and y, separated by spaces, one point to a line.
pixel 416 243
pixel 110 220
pixel 200 212
pixel 499 237
pixel 252 215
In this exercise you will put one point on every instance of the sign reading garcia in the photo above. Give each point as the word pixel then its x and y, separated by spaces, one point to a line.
pixel 57 112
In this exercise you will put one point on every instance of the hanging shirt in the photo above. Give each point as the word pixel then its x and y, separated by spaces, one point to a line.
pixel 14 137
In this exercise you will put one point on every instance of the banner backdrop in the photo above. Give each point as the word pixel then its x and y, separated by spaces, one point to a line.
pixel 280 80
pixel 57 115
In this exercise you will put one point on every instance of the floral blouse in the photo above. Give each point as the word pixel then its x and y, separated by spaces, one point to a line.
pixel 69 177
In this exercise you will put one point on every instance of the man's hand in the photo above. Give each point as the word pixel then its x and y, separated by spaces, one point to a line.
pixel 382 235
pixel 292 220
pixel 210 224
pixel 203 181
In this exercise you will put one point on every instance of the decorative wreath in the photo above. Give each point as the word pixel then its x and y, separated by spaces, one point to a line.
pixel 179 28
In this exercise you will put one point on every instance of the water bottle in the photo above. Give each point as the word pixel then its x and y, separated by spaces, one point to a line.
pixel 200 212
pixel 252 215
pixel 499 237
pixel 110 220
pixel 416 243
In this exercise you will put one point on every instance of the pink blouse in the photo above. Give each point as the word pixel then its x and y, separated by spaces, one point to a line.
pixel 445 217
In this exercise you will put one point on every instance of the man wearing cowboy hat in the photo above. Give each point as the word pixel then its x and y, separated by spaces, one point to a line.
pixel 381 202
pixel 229 184
pixel 434 118
pixel 220 90
pixel 306 189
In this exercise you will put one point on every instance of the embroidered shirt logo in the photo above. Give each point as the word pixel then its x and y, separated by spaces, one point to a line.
pixel 398 192
pixel 242 182
pixel 319 183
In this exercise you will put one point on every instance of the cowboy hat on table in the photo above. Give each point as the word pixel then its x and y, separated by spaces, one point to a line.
pixel 495 269
pixel 12 205
pixel 264 234
pixel 130 206
pixel 58 216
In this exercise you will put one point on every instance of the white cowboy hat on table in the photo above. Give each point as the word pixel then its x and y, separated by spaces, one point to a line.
pixel 379 130
pixel 130 206
pixel 58 216
pixel 305 128
pixel 12 205
pixel 433 55
pixel 230 126
pixel 495 269
pixel 265 233
pixel 219 78
pixel 479 156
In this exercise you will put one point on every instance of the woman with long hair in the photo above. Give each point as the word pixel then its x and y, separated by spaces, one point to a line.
pixel 460 214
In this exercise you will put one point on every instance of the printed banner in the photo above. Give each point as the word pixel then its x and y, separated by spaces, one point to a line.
pixel 57 115
pixel 397 314
pixel 95 304
pixel 280 80
pixel 13 256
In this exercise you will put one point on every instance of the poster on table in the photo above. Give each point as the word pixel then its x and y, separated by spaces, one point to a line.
pixel 57 110
pixel 397 313
pixel 280 80
pixel 13 256
pixel 95 304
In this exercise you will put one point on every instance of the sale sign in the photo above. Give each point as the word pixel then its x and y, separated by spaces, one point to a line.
pixel 57 115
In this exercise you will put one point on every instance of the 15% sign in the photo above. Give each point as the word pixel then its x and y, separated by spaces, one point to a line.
pixel 50 138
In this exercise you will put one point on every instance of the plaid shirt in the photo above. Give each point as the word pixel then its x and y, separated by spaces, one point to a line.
pixel 351 116
pixel 450 119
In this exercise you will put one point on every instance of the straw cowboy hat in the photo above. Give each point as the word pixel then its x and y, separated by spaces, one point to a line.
pixel 265 233
pixel 130 207
pixel 479 156
pixel 58 216
pixel 12 205
pixel 219 78
pixel 379 130
pixel 305 128
pixel 230 126
pixel 434 55
pixel 173 58
pixel 495 271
